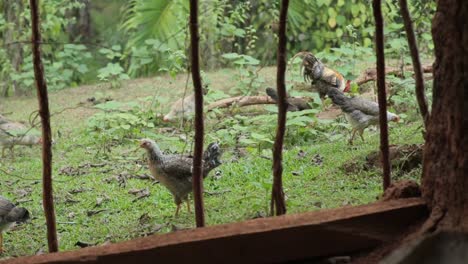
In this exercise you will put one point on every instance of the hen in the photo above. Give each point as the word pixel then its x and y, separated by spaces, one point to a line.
pixel 12 133
pixel 293 103
pixel 182 108
pixel 175 171
pixel 359 112
pixel 10 214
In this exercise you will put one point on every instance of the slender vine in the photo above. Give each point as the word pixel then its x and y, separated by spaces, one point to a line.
pixel 199 127
pixel 379 39
pixel 47 193
pixel 278 204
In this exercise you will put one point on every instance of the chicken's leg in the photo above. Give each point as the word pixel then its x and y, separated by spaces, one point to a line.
pixel 177 210
pixel 361 132
pixel 352 136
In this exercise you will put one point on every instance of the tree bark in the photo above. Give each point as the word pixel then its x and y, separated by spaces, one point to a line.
pixel 81 29
pixel 445 167
pixel 12 10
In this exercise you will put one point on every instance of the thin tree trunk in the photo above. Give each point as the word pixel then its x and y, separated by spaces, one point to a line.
pixel 379 39
pixel 47 196
pixel 278 204
pixel 418 71
pixel 11 11
pixel 445 167
pixel 81 29
pixel 199 127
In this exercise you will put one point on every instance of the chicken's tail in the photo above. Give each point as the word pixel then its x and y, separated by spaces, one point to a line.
pixel 211 156
pixel 338 98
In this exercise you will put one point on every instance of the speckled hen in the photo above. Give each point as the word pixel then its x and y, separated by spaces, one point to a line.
pixel 10 214
pixel 175 171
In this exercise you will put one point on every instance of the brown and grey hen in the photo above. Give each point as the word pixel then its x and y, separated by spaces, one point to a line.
pixel 10 214
pixel 359 112
pixel 175 171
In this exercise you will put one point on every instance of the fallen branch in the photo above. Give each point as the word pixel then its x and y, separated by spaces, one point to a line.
pixel 370 74
pixel 241 101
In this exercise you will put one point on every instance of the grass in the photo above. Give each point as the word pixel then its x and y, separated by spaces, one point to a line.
pixel 86 183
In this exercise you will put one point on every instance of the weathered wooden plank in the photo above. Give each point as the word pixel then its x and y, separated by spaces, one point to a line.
pixel 285 238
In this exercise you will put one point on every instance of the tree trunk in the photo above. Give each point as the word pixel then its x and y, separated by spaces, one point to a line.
pixel 81 29
pixel 11 11
pixel 445 169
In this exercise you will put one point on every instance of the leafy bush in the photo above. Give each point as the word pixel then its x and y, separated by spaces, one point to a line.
pixel 120 121
pixel 247 79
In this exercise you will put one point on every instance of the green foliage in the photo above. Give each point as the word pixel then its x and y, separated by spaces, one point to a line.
pixel 403 97
pixel 119 121
pixel 63 66
pixel 247 80
pixel 112 72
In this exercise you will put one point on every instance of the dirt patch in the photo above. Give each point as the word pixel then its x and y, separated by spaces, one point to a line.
pixel 403 158
pixel 402 189
pixel 330 113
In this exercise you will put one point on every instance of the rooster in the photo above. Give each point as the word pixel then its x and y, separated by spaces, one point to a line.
pixel 322 76
pixel 175 171
pixel 359 112
pixel 10 214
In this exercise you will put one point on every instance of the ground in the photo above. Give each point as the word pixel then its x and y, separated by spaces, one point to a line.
pixel 97 197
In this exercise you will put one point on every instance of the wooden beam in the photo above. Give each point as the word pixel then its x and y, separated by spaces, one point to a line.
pixel 278 239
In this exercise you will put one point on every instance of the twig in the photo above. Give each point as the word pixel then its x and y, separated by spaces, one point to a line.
pixel 278 204
pixel 379 39
pixel 197 169
pixel 420 90
pixel 48 200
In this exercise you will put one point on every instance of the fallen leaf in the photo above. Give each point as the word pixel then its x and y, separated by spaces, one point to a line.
pixel 301 154
pixel 296 173
pixel 144 219
pixel 82 244
pixel 95 212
